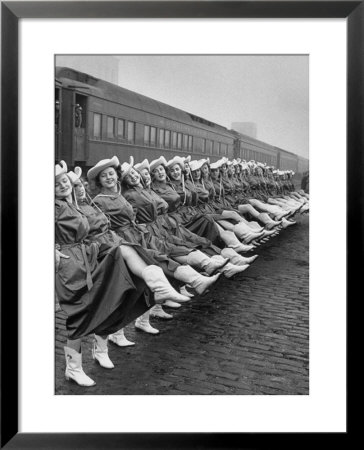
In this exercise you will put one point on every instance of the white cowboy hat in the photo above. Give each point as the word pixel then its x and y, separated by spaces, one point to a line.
pixel 125 168
pixel 61 168
pixel 196 165
pixel 75 175
pixel 161 161
pixel 205 161
pixel 102 165
pixel 176 160
pixel 217 164
pixel 143 165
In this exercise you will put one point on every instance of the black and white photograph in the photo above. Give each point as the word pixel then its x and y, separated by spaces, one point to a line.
pixel 182 224
pixel 184 281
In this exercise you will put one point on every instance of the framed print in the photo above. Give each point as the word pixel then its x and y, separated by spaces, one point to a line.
pixel 42 419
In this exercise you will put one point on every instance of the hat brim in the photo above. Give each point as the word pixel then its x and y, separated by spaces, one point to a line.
pixel 158 162
pixel 102 165
pixel 196 165
pixel 143 165
pixel 174 162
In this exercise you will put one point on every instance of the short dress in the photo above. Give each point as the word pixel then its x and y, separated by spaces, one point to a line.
pixel 94 286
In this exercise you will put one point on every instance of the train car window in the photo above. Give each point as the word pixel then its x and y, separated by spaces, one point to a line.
pixel 208 146
pixel 131 132
pixel 167 139
pixel 190 143
pixel 146 134
pixel 203 145
pixel 185 141
pixel 161 138
pixel 121 128
pixel 174 139
pixel 110 127
pixel 179 140
pixel 153 136
pixel 97 126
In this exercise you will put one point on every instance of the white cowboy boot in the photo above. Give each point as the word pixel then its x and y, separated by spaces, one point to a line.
pixel 184 291
pixel 268 221
pixel 230 270
pixel 252 237
pixel 243 231
pixel 194 279
pixel 74 369
pixel 100 352
pixel 157 311
pixel 242 248
pixel 158 283
pixel 233 242
pixel 208 265
pixel 119 339
pixel 142 323
pixel 279 216
pixel 286 223
pixel 171 304
pixel 237 259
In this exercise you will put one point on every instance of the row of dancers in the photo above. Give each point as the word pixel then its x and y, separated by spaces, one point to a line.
pixel 125 232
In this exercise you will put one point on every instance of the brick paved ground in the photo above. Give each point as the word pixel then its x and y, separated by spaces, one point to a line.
pixel 249 336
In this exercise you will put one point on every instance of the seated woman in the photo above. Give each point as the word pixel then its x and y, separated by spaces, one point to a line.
pixel 93 285
pixel 256 193
pixel 136 259
pixel 259 201
pixel 182 208
pixel 176 169
pixel 289 192
pixel 151 210
pixel 176 228
pixel 106 176
pixel 241 204
pixel 279 190
pixel 231 220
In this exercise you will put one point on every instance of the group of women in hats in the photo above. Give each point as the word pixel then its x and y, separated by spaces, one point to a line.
pixel 138 227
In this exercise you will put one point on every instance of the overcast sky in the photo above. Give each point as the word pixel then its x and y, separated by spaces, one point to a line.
pixel 271 91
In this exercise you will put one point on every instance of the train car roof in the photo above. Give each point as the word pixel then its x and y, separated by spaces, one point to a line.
pixel 104 89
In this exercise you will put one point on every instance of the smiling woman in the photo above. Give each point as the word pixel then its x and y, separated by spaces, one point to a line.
pixel 93 285
pixel 123 220
pixel 244 425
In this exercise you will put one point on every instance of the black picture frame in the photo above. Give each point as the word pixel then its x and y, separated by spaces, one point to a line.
pixel 11 12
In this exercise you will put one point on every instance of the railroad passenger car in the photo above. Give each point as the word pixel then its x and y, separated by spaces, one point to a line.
pixel 96 120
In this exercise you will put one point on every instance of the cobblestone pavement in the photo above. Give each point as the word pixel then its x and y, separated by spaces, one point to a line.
pixel 249 335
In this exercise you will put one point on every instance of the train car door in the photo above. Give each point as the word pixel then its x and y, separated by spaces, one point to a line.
pixel 57 120
pixel 79 128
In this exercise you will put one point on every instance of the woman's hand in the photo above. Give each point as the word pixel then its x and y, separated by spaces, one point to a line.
pixel 59 255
